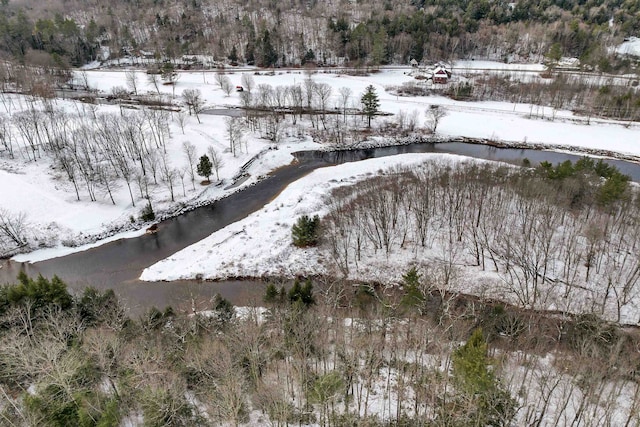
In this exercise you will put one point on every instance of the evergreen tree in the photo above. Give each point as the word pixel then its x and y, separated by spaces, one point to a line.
pixel 168 73
pixel 306 296
pixel 302 293
pixel 370 103
pixel 233 56
pixel 223 311
pixel 95 307
pixel 41 292
pixel 205 167
pixel 271 294
pixel 147 214
pixel 554 55
pixel 295 291
pixel 413 295
pixel 476 382
pixel 308 57
pixel 269 54
pixel 305 232
pixel 250 58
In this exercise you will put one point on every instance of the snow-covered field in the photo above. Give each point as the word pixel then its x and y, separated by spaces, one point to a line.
pixel 56 219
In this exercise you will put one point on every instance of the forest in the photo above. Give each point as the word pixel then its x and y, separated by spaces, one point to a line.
pixel 325 353
pixel 292 33
pixel 559 238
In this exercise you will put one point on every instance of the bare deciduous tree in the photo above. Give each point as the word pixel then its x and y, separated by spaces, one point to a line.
pixel 154 79
pixel 131 78
pixel 189 151
pixel 194 101
pixel 167 173
pixel 227 86
pixel 323 92
pixel 247 82
pixel 345 94
pixel 6 136
pixel 220 78
pixel 216 160
pixel 12 228
pixel 435 114
pixel 181 119
pixel 235 133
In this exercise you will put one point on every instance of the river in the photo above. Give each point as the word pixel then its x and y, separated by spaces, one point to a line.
pixel 117 265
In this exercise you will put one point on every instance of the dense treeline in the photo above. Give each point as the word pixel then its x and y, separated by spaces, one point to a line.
pixel 54 41
pixel 561 238
pixel 374 32
pixel 330 354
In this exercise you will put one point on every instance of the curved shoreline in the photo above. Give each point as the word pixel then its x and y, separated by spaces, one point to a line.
pixel 122 229
pixel 117 265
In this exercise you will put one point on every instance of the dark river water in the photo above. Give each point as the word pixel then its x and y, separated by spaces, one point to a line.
pixel 118 265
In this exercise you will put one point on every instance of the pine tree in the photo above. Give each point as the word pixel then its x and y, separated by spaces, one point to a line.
pixel 205 167
pixel 471 365
pixel 295 291
pixel 269 54
pixel 413 297
pixel 271 294
pixel 305 232
pixel 233 56
pixel 370 103
pixel 223 311
pixel 41 292
pixel 476 382
pixel 302 293
pixel 147 214
pixel 306 296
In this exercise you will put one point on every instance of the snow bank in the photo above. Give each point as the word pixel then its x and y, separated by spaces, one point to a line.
pixel 261 243
pixel 630 47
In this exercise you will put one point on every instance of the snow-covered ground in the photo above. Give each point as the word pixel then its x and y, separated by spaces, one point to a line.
pixel 498 66
pixel 629 47
pixel 57 219
pixel 261 243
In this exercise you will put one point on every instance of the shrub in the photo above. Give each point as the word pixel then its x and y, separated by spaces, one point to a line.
pixel 223 311
pixel 147 213
pixel 305 232
pixel 273 295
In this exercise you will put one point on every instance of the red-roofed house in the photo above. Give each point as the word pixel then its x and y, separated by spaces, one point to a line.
pixel 441 76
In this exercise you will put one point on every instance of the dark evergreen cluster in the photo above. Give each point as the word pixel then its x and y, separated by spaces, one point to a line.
pixel 297 294
pixel 612 185
pixel 147 214
pixel 204 167
pixel 65 42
